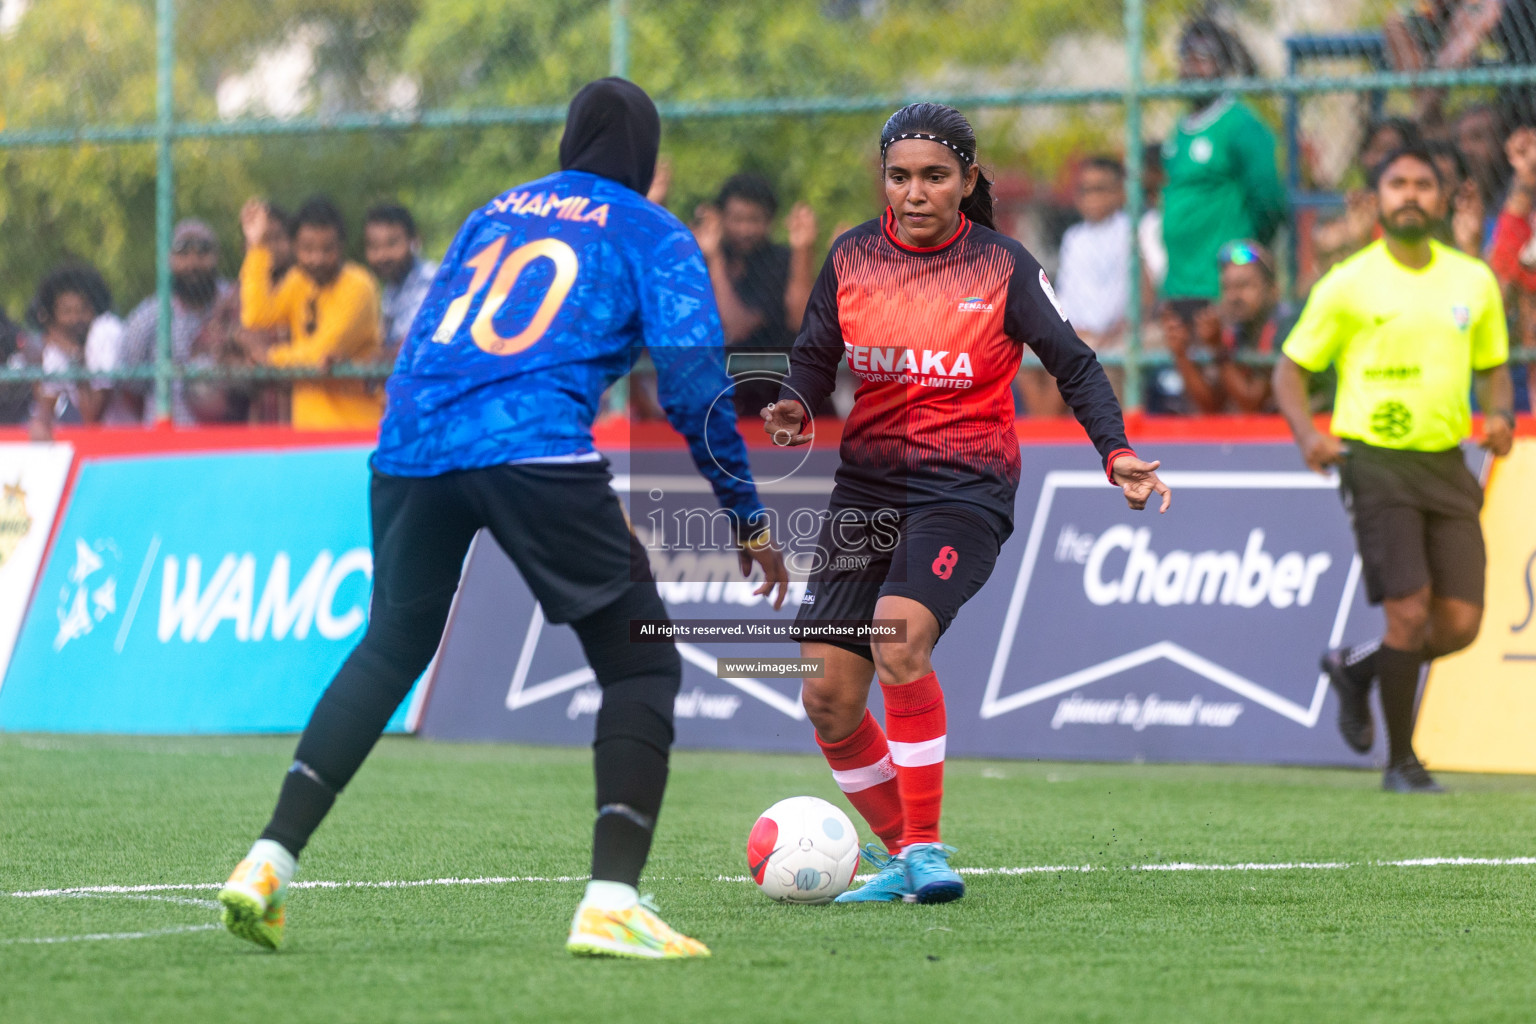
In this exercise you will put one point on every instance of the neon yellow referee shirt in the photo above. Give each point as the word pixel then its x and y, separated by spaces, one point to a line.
pixel 1405 343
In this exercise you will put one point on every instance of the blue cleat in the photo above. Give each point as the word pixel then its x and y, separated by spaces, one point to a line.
pixel 930 879
pixel 889 884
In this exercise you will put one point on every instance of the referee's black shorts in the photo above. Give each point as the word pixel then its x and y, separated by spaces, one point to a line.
pixel 937 555
pixel 1415 516
pixel 560 524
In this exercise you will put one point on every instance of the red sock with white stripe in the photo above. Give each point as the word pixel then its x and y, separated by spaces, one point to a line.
pixel 914 720
pixel 861 764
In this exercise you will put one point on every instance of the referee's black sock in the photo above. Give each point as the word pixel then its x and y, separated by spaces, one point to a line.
pixel 1399 674
pixel 1360 662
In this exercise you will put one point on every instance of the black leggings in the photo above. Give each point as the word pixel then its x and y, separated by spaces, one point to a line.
pixel 422 531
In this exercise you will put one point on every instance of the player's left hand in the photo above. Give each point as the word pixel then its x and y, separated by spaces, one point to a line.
pixel 1498 436
pixel 784 421
pixel 775 574
pixel 1138 480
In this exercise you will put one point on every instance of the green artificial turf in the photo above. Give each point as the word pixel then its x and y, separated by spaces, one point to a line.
pixel 1362 943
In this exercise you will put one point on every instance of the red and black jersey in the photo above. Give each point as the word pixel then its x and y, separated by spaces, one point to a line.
pixel 935 336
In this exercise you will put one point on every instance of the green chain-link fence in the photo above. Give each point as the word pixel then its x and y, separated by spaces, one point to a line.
pixel 121 116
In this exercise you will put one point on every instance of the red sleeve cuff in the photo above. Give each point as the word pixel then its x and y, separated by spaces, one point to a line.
pixel 1109 463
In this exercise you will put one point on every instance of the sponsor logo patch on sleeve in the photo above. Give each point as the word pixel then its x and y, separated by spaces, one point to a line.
pixel 1050 293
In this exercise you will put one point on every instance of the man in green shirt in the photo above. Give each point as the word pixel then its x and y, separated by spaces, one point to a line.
pixel 1411 326
pixel 1223 183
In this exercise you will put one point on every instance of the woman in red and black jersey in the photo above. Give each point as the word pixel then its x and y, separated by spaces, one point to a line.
pixel 932 308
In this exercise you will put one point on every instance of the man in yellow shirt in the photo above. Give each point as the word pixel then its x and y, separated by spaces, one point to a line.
pixel 330 306
pixel 1411 326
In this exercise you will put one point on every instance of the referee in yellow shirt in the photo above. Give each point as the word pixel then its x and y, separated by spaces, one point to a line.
pixel 1411 326
pixel 330 306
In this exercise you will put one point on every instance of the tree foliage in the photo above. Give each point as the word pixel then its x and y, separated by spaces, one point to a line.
pixel 73 62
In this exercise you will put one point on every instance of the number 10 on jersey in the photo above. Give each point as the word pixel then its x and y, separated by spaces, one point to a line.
pixel 489 261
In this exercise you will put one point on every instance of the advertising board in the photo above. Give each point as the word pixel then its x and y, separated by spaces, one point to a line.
pixel 1102 633
pixel 196 594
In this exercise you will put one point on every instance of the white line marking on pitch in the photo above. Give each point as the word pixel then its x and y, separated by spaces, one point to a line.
pixel 1053 869
pixel 1416 862
pixel 214 886
pixel 107 936
pixel 133 891
pixel 185 901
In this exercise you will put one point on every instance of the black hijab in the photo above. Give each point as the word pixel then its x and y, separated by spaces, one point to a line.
pixel 612 129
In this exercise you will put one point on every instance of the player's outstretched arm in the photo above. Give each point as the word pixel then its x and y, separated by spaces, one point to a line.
pixel 690 381
pixel 1138 480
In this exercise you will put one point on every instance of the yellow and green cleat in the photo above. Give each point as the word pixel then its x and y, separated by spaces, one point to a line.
pixel 253 901
pixel 636 933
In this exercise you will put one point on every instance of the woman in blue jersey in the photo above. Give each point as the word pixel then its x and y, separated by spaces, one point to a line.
pixel 542 301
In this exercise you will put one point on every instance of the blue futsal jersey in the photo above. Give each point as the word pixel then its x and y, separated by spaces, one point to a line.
pixel 544 300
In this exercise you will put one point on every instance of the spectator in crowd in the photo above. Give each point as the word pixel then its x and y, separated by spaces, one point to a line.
pixel 661 185
pixel 1512 255
pixel 331 307
pixel 393 250
pixel 1223 182
pixel 1461 225
pixel 1332 242
pixel 1093 276
pixel 203 319
pixel 760 288
pixel 1479 133
pixel 1383 136
pixel 270 403
pixel 1248 320
pixel 69 303
pixel 279 240
pixel 15 396
pixel 1444 35
pixel 1149 232
pixel 104 352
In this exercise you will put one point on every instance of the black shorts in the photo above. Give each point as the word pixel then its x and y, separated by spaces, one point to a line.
pixel 561 525
pixel 937 555
pixel 1415 516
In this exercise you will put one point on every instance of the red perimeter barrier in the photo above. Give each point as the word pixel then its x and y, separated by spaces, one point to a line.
pixel 617 432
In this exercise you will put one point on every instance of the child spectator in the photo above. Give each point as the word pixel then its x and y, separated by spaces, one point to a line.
pixel 79 331
pixel 1093 279
pixel 1248 320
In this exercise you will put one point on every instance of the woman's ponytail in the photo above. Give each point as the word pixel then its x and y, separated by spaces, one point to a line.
pixel 978 205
